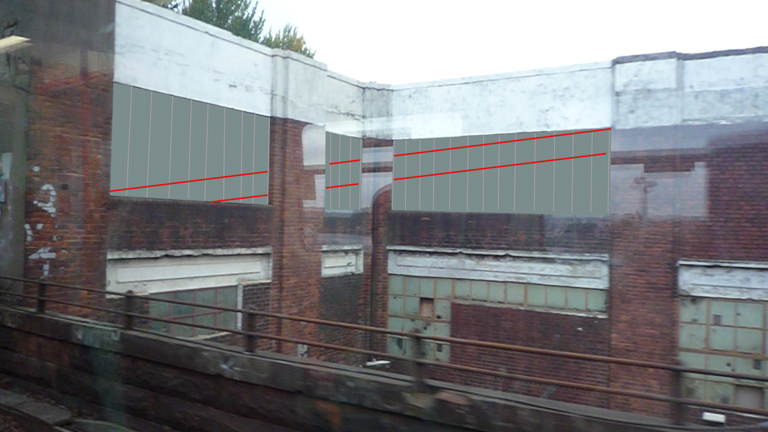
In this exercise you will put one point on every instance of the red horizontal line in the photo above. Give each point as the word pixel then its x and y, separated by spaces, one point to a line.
pixel 334 163
pixel 501 142
pixel 501 166
pixel 189 181
pixel 235 199
pixel 351 184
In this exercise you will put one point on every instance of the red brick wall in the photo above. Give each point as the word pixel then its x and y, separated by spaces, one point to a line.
pixel 738 199
pixel 642 309
pixel 155 224
pixel 298 235
pixel 68 166
pixel 340 302
pixel 572 333
pixel 644 254
pixel 473 230
pixel 380 281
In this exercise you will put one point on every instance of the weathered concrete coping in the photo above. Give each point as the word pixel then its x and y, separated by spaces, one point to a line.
pixel 331 387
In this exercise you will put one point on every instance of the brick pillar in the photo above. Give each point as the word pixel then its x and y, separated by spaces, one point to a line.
pixel 295 265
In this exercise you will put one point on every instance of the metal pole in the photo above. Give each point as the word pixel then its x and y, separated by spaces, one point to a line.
pixel 418 354
pixel 678 408
pixel 41 288
pixel 250 327
pixel 128 310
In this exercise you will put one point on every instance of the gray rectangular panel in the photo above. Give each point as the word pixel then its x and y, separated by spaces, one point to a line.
pixel 563 174
pixel 345 171
pixel 198 147
pixel 327 176
pixel 121 114
pixel 233 154
pixel 582 174
pixel 412 168
pixel 159 163
pixel 459 158
pixel 398 171
pixel 214 164
pixel 334 179
pixel 341 171
pixel 442 182
pixel 356 173
pixel 533 172
pixel 427 184
pixel 601 167
pixel 524 174
pixel 475 178
pixel 507 174
pixel 138 147
pixel 491 154
pixel 544 174
pixel 261 161
pixel 180 143
pixel 160 139
pixel 246 182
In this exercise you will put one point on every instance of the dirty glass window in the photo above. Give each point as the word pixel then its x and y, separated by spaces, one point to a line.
pixel 184 314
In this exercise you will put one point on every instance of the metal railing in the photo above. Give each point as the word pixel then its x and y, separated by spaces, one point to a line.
pixel 418 361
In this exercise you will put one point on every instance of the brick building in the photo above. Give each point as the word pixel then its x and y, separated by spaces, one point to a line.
pixel 677 269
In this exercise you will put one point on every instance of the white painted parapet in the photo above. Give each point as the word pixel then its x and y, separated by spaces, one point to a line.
pixel 160 50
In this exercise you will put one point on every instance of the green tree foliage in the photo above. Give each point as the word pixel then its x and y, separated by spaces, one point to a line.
pixel 235 16
pixel 241 18
pixel 169 4
pixel 288 39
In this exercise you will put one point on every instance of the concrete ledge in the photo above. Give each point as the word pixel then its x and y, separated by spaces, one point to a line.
pixel 31 413
pixel 685 56
pixel 186 385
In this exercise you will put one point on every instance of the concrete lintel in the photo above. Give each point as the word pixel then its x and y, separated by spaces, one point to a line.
pixel 501 266
pixel 341 247
pixel 723 279
pixel 737 264
pixel 522 254
pixel 136 254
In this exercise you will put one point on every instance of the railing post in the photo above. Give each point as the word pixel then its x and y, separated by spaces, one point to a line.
pixel 128 310
pixel 418 355
pixel 250 328
pixel 678 408
pixel 41 288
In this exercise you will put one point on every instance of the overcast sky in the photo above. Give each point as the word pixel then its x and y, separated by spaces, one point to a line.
pixel 406 41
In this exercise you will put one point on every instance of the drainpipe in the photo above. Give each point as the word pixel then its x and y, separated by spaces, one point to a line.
pixel 374 274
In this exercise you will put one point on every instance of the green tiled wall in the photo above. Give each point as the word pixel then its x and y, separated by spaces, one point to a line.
pixel 226 296
pixel 405 294
pixel 722 335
